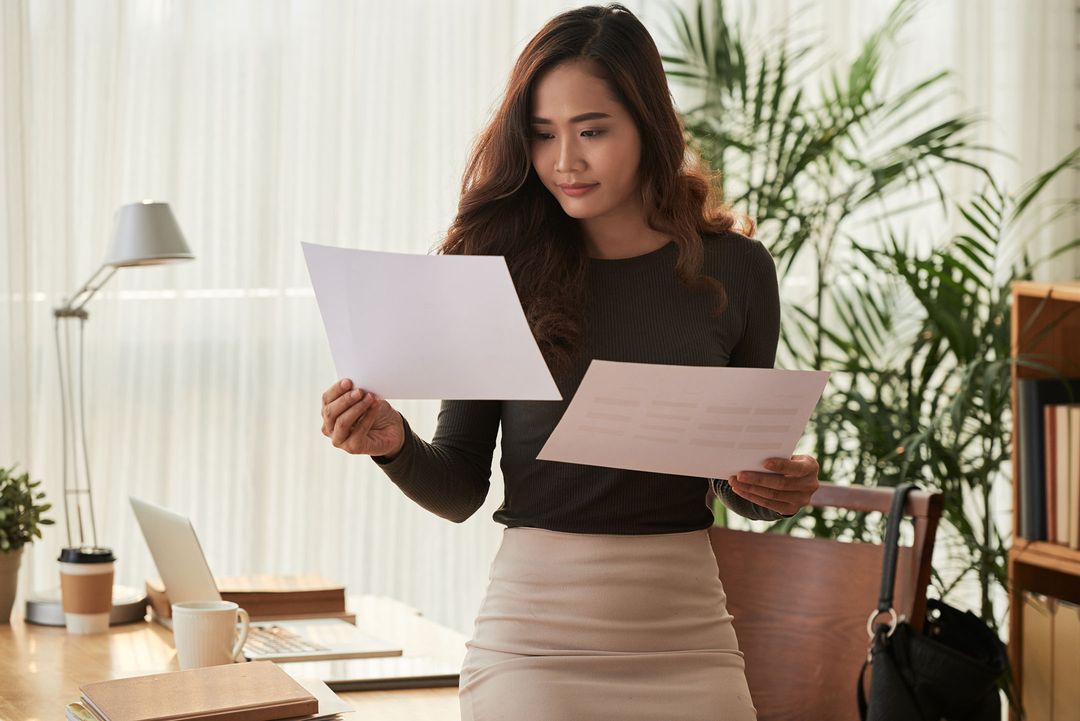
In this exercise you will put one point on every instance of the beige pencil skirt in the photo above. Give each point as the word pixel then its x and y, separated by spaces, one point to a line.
pixel 587 627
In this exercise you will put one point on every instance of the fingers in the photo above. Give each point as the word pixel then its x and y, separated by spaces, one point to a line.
pixel 343 425
pixel 336 407
pixel 334 391
pixel 763 480
pixel 741 485
pixel 370 415
pixel 796 467
pixel 777 500
pixel 770 503
pixel 778 487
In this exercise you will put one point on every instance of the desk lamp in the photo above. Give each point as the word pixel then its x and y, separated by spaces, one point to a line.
pixel 145 233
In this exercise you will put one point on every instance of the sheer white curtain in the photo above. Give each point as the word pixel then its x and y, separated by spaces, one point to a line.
pixel 263 124
pixel 269 123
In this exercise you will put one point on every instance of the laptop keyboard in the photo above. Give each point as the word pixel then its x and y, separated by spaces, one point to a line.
pixel 267 640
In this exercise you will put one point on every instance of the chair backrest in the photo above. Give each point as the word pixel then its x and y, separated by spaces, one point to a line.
pixel 801 605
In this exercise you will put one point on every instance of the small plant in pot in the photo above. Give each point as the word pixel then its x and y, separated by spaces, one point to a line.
pixel 21 509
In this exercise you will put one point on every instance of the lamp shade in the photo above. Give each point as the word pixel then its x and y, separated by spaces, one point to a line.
pixel 146 233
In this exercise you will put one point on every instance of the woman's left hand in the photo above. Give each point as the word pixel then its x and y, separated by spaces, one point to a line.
pixel 785 493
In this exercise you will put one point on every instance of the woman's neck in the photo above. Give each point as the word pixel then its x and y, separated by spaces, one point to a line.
pixel 621 236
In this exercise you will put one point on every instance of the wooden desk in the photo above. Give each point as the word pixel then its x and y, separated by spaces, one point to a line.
pixel 41 667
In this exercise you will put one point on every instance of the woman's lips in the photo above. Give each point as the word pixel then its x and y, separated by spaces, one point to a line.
pixel 577 192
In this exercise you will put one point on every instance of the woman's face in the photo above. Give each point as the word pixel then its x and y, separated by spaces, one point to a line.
pixel 583 136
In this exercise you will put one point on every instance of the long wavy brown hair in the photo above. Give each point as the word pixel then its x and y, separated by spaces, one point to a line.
pixel 506 210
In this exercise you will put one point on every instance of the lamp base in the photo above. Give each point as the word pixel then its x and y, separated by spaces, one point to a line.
pixel 44 609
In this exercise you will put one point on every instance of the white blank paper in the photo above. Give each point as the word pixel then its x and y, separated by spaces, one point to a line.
pixel 427 326
pixel 685 420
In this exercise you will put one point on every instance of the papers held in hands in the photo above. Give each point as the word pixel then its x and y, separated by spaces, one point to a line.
pixel 427 326
pixel 684 420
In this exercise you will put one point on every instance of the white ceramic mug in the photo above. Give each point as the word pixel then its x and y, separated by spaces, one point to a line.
pixel 205 633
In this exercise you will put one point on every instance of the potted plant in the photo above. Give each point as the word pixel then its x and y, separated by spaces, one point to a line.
pixel 21 507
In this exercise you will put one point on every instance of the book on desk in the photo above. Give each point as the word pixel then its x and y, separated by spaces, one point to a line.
pixel 268 597
pixel 257 691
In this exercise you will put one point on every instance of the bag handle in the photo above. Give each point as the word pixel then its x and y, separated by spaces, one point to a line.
pixel 888 568
pixel 888 582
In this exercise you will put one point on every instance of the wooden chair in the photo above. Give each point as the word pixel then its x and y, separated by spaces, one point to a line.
pixel 801 605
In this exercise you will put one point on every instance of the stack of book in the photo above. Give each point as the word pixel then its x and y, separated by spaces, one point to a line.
pixel 268 598
pixel 1048 423
pixel 258 691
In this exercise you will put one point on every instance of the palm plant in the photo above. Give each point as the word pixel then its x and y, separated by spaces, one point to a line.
pixel 802 168
pixel 923 360
pixel 924 387
pixel 918 342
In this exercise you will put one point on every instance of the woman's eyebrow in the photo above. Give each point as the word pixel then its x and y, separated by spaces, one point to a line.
pixel 576 119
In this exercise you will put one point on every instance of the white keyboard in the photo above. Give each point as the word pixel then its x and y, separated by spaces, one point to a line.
pixel 271 640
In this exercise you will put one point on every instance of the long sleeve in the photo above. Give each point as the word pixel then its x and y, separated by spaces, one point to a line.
pixel 761 329
pixel 756 349
pixel 449 476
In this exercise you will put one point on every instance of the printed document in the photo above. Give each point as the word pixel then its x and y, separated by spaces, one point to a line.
pixel 685 420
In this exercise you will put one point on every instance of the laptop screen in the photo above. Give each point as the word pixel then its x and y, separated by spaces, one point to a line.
pixel 177 554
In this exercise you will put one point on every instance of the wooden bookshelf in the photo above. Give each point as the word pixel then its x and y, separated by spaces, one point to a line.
pixel 1040 566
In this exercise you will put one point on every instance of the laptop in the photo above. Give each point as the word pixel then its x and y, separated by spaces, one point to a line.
pixel 186 574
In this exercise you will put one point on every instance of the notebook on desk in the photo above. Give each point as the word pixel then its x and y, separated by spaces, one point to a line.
pixel 186 574
pixel 233 692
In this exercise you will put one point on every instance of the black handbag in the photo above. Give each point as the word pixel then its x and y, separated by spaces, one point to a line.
pixel 951 671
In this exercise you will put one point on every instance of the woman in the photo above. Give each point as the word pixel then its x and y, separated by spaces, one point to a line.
pixel 604 600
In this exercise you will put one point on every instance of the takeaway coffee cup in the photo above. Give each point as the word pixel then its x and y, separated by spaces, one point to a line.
pixel 86 588
pixel 205 633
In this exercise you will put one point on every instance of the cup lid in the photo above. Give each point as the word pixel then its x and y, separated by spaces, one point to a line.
pixel 86 554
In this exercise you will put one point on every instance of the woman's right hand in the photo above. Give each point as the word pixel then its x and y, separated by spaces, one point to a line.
pixel 360 422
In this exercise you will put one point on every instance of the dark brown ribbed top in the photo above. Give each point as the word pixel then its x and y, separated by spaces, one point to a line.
pixel 638 312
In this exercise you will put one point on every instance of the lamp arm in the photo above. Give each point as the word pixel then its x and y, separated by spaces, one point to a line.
pixel 74 307
pixel 71 414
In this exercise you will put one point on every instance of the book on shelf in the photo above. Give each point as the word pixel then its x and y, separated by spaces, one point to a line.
pixel 1062 462
pixel 1050 476
pixel 1033 396
pixel 257 691
pixel 268 598
pixel 1050 658
pixel 1074 476
pixel 1035 657
pixel 1062 472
